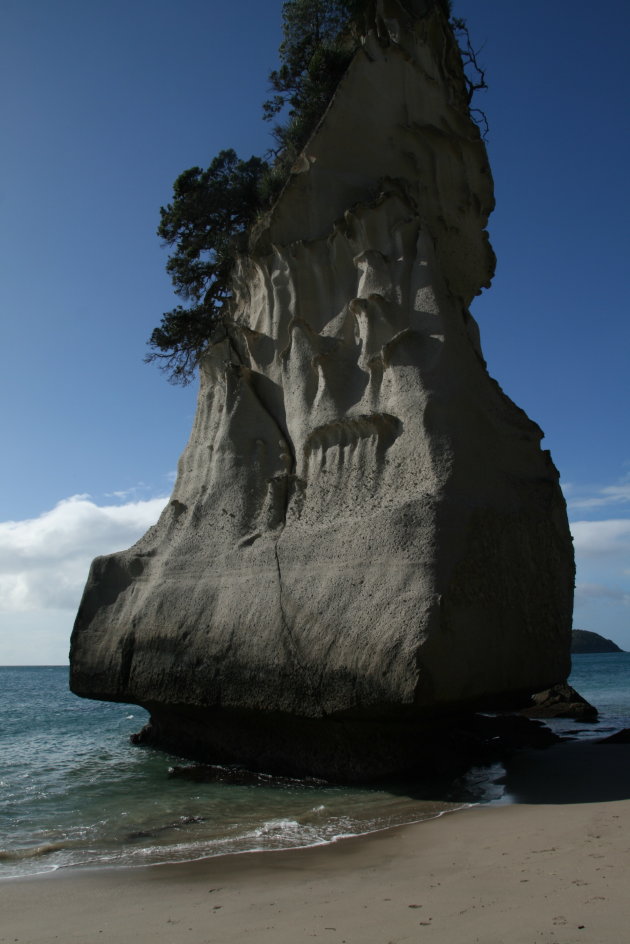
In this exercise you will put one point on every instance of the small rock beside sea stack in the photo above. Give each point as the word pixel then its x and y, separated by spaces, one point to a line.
pixel 561 701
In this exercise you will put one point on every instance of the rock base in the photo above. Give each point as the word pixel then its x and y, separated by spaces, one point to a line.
pixel 341 750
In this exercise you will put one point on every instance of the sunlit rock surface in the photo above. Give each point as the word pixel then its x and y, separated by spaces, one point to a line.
pixel 364 532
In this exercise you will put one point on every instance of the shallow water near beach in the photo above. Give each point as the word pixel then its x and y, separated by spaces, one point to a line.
pixel 74 791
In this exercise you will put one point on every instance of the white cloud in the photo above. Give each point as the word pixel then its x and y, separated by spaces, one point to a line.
pixel 602 593
pixel 585 592
pixel 44 561
pixel 596 538
pixel 35 637
pixel 618 494
pixel 136 493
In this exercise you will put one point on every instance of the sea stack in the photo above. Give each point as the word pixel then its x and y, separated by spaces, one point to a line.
pixel 365 536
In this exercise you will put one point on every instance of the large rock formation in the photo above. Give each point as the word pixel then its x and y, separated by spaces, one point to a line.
pixel 364 532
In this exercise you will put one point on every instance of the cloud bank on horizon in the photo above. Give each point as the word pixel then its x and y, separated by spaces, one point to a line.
pixel 44 564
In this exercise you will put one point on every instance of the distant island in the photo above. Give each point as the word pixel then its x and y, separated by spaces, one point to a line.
pixel 584 641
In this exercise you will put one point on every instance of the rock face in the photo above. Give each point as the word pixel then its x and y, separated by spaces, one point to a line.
pixel 582 640
pixel 364 532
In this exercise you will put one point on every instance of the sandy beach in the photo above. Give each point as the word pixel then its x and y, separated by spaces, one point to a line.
pixel 551 868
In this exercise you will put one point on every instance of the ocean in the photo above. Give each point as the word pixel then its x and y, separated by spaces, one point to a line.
pixel 75 792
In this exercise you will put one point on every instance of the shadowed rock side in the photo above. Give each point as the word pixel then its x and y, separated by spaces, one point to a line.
pixel 364 532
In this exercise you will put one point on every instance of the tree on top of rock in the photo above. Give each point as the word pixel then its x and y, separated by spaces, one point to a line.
pixel 211 211
pixel 207 222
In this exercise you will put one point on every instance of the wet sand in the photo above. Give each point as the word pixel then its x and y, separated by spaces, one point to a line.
pixel 552 868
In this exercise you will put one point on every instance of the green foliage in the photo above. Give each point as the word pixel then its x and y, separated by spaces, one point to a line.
pixel 207 222
pixel 315 51
pixel 212 210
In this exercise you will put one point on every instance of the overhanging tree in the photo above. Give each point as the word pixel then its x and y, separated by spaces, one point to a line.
pixel 207 222
pixel 212 210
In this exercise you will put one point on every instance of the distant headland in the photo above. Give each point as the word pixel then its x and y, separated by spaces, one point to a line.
pixel 584 641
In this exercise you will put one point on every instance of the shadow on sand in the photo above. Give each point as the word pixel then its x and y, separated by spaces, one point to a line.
pixel 573 772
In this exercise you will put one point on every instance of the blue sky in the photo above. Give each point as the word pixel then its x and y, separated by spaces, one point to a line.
pixel 102 106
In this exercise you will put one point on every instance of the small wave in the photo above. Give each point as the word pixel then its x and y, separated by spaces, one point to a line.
pixel 292 835
pixel 31 852
pixel 282 828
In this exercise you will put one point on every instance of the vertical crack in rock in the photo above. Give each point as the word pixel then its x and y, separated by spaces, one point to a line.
pixel 285 623
pixel 282 484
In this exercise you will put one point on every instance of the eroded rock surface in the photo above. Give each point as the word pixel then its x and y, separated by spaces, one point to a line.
pixel 364 531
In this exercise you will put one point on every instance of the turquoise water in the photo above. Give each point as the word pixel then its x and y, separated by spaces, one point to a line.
pixel 74 791
pixel 604 680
